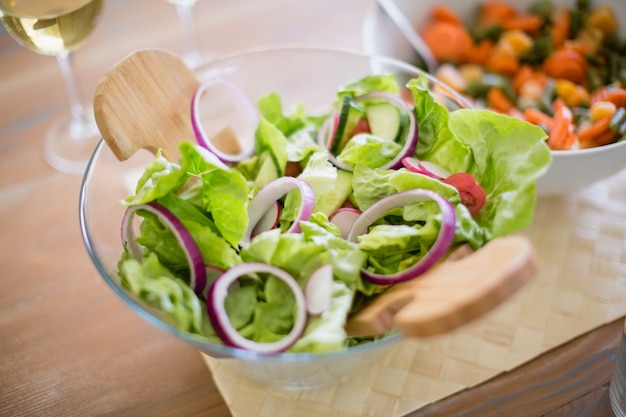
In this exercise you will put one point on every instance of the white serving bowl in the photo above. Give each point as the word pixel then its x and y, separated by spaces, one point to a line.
pixel 570 170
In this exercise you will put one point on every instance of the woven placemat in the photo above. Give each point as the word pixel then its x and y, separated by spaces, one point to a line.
pixel 581 241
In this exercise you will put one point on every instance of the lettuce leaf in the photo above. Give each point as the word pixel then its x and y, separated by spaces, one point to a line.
pixel 368 150
pixel 158 179
pixel 271 108
pixel 386 83
pixel 159 288
pixel 431 117
pixel 271 146
pixel 159 239
pixel 225 193
pixel 505 155
pixel 300 255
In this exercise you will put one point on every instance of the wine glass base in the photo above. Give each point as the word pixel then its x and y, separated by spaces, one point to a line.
pixel 69 144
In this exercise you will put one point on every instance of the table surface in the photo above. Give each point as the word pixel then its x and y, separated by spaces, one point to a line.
pixel 70 347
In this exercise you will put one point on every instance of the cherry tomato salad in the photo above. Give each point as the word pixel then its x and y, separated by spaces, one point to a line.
pixel 274 249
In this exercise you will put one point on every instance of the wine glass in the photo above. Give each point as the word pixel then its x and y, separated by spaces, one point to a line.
pixel 184 8
pixel 56 28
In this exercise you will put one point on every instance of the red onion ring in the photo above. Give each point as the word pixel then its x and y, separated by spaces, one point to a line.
pixel 269 194
pixel 201 136
pixel 344 218
pixel 439 247
pixel 221 323
pixel 197 270
pixel 268 221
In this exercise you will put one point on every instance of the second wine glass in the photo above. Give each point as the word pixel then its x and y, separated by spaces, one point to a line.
pixel 56 28
pixel 193 56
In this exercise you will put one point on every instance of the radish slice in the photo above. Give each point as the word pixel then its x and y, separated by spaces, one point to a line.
pixel 197 270
pixel 268 221
pixel 333 122
pixel 270 194
pixel 410 141
pixel 318 290
pixel 427 168
pixel 234 141
pixel 344 218
pixel 222 325
pixel 435 169
pixel 439 247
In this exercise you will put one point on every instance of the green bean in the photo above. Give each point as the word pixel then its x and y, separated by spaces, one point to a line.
pixel 583 5
pixel 580 113
pixel 480 88
pixel 618 119
pixel 622 129
pixel 610 43
pixel 577 17
pixel 542 8
pixel 491 32
pixel 545 102
pixel 541 49
pixel 477 89
pixel 594 79
pixel 613 67
pixel 622 76
pixel 595 59
pixel 577 20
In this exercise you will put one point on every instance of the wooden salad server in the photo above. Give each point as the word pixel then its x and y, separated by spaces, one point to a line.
pixel 144 102
pixel 452 293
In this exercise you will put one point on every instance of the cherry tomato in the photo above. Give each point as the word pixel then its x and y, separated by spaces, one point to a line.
pixel 472 195
pixel 361 127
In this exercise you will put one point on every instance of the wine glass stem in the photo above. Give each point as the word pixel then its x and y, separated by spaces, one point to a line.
pixel 79 115
pixel 185 14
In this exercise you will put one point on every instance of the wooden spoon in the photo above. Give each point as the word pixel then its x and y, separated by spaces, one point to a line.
pixel 144 102
pixel 452 293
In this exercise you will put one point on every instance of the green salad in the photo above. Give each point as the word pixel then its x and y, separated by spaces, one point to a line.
pixel 226 250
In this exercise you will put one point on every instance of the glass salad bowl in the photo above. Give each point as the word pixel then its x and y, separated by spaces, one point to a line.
pixel 301 76
pixel 572 168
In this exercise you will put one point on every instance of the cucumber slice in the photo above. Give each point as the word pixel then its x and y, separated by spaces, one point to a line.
pixel 384 120
pixel 329 202
pixel 349 116
pixel 268 171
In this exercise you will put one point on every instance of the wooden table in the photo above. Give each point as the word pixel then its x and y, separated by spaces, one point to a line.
pixel 70 347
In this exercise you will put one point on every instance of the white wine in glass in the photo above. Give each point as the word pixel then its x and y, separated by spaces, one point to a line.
pixel 56 28
pixel 184 8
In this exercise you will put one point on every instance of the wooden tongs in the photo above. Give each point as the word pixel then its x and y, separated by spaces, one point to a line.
pixel 452 293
